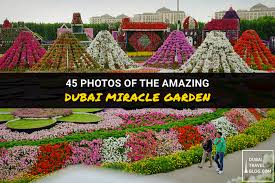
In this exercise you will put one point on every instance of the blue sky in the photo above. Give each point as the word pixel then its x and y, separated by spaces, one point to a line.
pixel 61 10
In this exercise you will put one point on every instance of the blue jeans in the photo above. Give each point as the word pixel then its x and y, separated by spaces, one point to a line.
pixel 219 160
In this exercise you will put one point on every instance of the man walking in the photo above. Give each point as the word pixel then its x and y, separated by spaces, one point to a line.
pixel 207 151
pixel 220 151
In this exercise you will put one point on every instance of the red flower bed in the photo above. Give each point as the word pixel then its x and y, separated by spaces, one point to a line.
pixel 51 158
pixel 142 145
pixel 126 24
pixel 153 39
pixel 255 113
pixel 189 136
pixel 251 48
pixel 222 24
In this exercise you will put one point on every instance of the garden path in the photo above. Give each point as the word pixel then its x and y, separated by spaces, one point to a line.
pixel 232 163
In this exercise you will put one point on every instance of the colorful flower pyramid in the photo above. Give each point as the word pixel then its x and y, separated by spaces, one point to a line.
pixel 25 52
pixel 107 53
pixel 215 55
pixel 251 48
pixel 174 52
pixel 67 54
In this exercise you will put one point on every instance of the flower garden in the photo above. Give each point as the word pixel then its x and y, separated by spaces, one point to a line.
pixel 37 142
pixel 136 141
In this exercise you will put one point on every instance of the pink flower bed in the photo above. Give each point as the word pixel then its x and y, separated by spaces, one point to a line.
pixel 24 53
pixel 207 129
pixel 149 119
pixel 16 161
pixel 236 117
pixel 167 142
pixel 85 152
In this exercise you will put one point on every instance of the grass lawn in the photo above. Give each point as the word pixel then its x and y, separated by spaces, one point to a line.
pixel 6 109
pixel 81 118
pixel 90 110
pixel 6 117
pixel 26 124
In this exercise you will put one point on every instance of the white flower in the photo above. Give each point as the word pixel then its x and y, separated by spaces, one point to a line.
pixel 215 55
pixel 106 51
pixel 114 150
pixel 224 126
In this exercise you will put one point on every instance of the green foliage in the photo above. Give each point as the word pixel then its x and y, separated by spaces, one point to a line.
pixel 81 118
pixel 271 113
pixel 25 124
pixel 104 134
pixel 6 117
pixel 264 26
pixel 184 159
pixel 240 142
pixel 6 109
pixel 262 130
pixel 49 30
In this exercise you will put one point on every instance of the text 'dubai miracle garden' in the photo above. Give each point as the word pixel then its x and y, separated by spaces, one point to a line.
pixel 144 97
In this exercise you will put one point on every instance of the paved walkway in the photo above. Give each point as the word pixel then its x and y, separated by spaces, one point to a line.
pixel 232 169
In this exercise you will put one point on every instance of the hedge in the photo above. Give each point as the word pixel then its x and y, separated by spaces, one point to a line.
pixel 104 134
pixel 252 136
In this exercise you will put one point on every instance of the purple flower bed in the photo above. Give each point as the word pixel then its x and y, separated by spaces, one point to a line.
pixel 174 52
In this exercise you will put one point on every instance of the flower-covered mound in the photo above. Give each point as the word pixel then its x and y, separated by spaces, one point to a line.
pixel 174 52
pixel 25 52
pixel 215 55
pixel 67 54
pixel 107 53
pixel 252 49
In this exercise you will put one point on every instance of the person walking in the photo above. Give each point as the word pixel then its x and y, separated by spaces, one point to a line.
pixel 220 144
pixel 207 151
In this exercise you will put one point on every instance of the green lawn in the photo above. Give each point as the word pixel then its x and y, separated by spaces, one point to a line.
pixel 27 124
pixel 81 118
pixel 89 110
pixel 6 109
pixel 6 117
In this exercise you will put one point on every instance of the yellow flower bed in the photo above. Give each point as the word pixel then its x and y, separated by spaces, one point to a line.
pixel 140 54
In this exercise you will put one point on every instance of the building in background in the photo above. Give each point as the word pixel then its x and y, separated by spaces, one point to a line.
pixel 162 15
pixel 107 19
pixel 255 12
